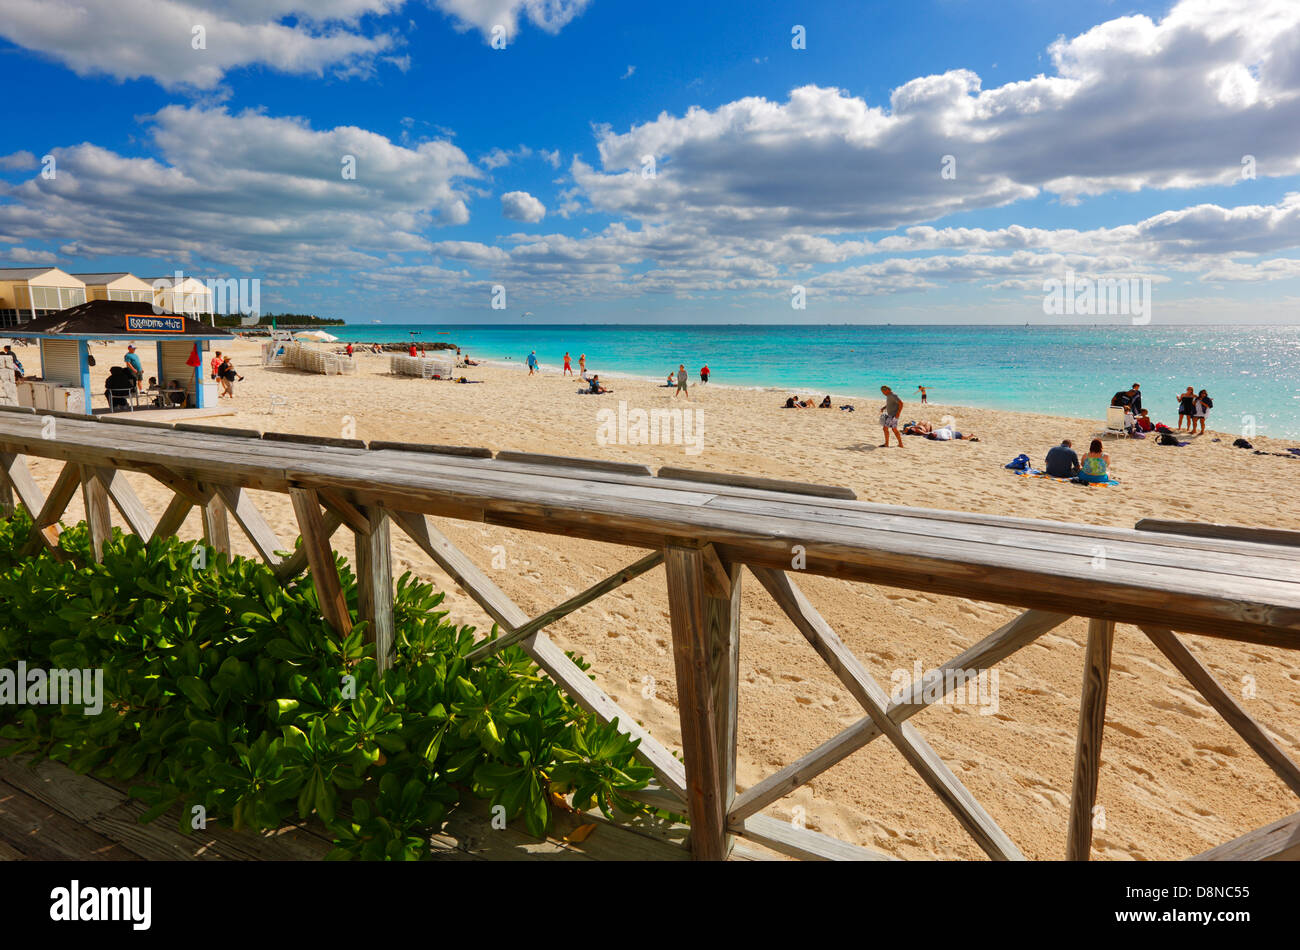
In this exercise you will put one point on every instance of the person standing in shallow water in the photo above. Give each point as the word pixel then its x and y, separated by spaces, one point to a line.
pixel 921 390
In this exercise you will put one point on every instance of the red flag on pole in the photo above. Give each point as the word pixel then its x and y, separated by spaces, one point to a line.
pixel 195 359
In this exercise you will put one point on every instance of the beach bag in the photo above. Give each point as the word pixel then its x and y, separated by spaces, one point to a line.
pixel 1241 444
pixel 1168 438
pixel 1019 463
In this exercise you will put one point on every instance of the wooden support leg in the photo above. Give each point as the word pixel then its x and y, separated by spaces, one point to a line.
pixel 216 524
pixel 320 558
pixel 98 519
pixel 705 653
pixel 375 583
pixel 6 501
pixel 172 519
pixel 1092 723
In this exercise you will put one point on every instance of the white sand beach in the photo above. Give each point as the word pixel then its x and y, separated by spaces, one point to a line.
pixel 1175 779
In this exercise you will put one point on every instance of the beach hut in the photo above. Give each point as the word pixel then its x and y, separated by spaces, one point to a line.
pixel 64 339
pixel 28 293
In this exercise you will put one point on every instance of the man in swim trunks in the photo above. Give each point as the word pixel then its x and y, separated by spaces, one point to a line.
pixel 889 416
pixel 568 367
pixel 681 382
pixel 921 390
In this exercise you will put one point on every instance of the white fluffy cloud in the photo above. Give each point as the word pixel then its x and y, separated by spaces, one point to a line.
pixel 248 190
pixel 129 39
pixel 521 206
pixel 483 15
pixel 1134 104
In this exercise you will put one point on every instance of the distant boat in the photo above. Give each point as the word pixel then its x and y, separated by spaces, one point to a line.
pixel 376 321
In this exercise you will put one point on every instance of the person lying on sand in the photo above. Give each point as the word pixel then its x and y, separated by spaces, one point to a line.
pixel 948 433
pixel 794 403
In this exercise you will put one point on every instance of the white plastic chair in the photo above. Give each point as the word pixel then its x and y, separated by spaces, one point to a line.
pixel 1118 421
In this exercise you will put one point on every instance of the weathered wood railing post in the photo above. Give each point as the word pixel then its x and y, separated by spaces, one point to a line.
pixel 1092 724
pixel 216 525
pixel 375 582
pixel 98 519
pixel 704 599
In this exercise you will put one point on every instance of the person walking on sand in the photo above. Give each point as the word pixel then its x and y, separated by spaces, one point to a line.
pixel 889 413
pixel 921 390
pixel 568 367
pixel 681 382
pixel 532 363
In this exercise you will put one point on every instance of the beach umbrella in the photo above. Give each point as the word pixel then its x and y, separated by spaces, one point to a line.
pixel 316 336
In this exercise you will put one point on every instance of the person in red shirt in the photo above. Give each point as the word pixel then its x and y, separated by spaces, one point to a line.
pixel 216 363
pixel 704 373
pixel 1143 422
pixel 349 349
pixel 411 351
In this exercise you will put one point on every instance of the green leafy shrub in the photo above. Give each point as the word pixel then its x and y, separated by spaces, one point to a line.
pixel 226 690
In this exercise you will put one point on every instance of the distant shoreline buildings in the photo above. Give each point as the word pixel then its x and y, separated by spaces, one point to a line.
pixel 30 292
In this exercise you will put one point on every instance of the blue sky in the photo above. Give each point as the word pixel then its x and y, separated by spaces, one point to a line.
pixel 1099 138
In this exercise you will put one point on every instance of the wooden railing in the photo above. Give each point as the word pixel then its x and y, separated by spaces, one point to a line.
pixel 703 528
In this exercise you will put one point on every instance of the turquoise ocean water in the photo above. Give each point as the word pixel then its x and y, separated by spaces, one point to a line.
pixel 1250 372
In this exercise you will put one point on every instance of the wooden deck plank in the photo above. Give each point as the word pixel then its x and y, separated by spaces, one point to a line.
pixel 40 832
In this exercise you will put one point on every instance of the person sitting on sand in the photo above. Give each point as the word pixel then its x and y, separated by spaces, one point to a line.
pixel 1095 465
pixel 595 385
pixel 826 403
pixel 1143 422
pixel 1062 462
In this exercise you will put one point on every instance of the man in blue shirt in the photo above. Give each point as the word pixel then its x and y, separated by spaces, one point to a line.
pixel 532 362
pixel 133 363
pixel 1062 462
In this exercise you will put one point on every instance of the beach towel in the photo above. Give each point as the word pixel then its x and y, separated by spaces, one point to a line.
pixel 1020 462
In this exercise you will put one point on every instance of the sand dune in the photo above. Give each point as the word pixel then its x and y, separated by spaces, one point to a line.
pixel 1175 779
